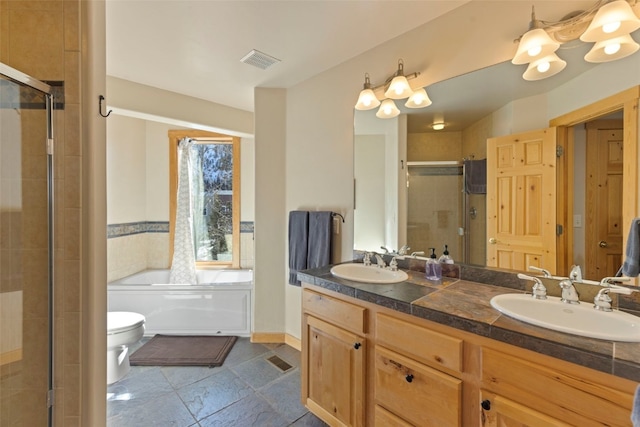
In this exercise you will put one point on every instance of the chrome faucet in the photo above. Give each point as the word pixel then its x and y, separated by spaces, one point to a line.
pixel 415 254
pixel 569 293
pixel 544 272
pixel 403 250
pixel 576 274
pixel 393 264
pixel 384 248
pixel 538 290
pixel 602 301
pixel 379 260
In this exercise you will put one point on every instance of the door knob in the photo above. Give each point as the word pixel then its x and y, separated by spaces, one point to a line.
pixel 602 244
pixel 493 240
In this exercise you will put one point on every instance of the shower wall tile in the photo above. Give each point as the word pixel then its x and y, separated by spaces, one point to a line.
pixel 71 142
pixel 126 255
pixel 72 221
pixel 70 347
pixel 71 302
pixel 37 46
pixel 71 26
pixel 73 176
pixel 246 250
pixel 72 400
pixel 72 77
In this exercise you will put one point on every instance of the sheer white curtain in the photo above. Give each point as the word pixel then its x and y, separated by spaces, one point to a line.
pixel 183 265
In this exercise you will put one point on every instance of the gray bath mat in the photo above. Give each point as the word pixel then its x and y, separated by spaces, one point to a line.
pixel 177 350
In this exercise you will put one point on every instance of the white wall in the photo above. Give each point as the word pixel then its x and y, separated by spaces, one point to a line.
pixel 126 176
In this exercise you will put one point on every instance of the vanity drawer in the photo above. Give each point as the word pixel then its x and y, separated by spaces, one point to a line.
pixel 430 347
pixel 340 313
pixel 415 392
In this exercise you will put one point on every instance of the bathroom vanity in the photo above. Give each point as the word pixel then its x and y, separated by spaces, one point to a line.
pixel 437 354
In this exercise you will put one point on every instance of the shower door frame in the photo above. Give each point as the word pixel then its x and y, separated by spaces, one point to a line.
pixel 21 78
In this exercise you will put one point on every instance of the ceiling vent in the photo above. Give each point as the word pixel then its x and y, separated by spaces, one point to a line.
pixel 259 59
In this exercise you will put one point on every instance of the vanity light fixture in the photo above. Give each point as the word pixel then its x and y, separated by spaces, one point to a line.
pixel 367 99
pixel 395 87
pixel 607 24
pixel 387 110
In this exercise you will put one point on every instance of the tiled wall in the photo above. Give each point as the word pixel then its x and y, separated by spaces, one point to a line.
pixel 138 246
pixel 42 39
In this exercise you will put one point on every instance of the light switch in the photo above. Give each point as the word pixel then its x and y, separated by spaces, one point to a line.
pixel 577 221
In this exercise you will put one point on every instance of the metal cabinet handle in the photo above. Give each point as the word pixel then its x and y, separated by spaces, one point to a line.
pixel 357 345
pixel 486 405
pixel 409 378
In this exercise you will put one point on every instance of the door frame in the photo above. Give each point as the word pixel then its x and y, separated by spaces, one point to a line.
pixel 627 102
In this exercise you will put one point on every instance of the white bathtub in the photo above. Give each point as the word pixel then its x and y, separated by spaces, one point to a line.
pixel 219 304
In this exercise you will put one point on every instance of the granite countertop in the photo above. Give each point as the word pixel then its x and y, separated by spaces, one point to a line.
pixel 462 300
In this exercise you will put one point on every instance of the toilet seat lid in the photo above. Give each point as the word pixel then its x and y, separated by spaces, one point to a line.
pixel 121 321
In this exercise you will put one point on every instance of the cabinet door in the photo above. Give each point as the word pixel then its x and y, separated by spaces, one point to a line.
pixel 335 373
pixel 415 392
pixel 500 412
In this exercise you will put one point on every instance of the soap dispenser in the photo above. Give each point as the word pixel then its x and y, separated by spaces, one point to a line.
pixel 433 268
pixel 445 258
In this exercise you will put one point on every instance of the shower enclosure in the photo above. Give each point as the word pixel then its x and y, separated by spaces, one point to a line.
pixel 26 250
pixel 434 212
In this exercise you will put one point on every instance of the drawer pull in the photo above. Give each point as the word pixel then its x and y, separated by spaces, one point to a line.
pixel 486 405
pixel 357 345
pixel 409 378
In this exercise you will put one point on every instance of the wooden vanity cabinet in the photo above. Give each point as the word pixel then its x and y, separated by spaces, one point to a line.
pixel 333 358
pixel 363 364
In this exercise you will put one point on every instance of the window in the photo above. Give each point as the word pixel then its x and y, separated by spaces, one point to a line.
pixel 216 180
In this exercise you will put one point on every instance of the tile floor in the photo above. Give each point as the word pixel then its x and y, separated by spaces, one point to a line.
pixel 247 390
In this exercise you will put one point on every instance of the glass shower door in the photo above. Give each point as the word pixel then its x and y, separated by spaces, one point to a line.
pixel 25 251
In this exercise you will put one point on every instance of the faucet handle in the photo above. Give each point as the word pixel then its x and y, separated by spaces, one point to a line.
pixel 366 260
pixel 539 291
pixel 393 264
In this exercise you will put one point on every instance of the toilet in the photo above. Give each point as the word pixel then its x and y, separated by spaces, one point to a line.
pixel 123 329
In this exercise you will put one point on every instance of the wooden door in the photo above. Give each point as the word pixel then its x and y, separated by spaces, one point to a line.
pixel 521 200
pixel 335 373
pixel 603 215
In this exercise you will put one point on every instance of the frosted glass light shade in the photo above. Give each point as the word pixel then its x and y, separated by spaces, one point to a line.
pixel 399 88
pixel 610 50
pixel 387 110
pixel 419 99
pixel 545 67
pixel 612 20
pixel 534 44
pixel 367 100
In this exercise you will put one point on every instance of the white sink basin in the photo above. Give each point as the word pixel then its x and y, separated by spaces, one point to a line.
pixel 578 319
pixel 368 274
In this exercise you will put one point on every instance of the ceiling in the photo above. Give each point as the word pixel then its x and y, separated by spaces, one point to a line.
pixel 194 47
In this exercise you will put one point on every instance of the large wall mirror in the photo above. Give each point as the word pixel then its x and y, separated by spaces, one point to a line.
pixel 409 177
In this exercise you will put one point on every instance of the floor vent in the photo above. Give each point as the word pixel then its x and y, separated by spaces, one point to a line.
pixel 279 363
pixel 259 59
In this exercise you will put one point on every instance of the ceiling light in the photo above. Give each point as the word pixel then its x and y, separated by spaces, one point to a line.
pixel 607 23
pixel 418 99
pixel 535 43
pixel 367 99
pixel 399 87
pixel 612 20
pixel 544 67
pixel 387 110
pixel 610 50
pixel 437 126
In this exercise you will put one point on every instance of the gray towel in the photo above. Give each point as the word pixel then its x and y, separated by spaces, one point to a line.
pixel 635 410
pixel 298 244
pixel 475 176
pixel 631 265
pixel 320 232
